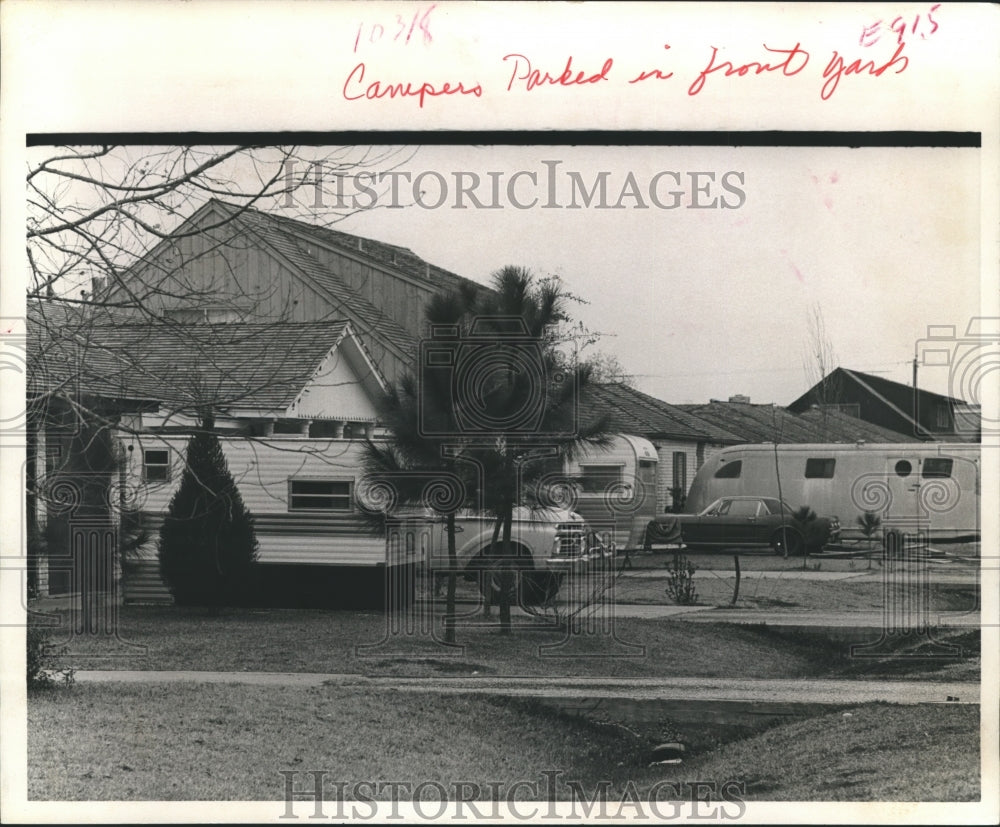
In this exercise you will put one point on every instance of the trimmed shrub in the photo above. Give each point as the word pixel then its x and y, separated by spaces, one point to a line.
pixel 207 547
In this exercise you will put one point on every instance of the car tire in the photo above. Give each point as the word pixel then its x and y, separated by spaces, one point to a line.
pixel 793 538
pixel 534 587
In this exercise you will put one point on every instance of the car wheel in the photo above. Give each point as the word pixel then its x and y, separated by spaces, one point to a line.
pixel 787 542
pixel 533 587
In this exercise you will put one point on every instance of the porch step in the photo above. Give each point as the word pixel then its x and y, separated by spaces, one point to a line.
pixel 143 584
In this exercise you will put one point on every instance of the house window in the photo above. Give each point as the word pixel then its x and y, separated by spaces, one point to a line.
pixel 156 465
pixel 730 471
pixel 596 479
pixel 319 495
pixel 326 429
pixel 287 427
pixel 820 468
pixel 936 467
pixel 680 471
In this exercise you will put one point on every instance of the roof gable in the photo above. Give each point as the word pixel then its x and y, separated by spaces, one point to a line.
pixel 249 367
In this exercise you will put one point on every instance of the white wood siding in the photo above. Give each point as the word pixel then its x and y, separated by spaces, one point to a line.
pixel 262 469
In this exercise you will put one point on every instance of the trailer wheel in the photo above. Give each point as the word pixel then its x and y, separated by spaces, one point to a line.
pixel 788 542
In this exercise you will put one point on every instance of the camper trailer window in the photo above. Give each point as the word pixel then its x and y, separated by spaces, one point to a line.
pixel 319 495
pixel 903 468
pixel 936 467
pixel 596 479
pixel 820 468
pixel 730 471
pixel 156 465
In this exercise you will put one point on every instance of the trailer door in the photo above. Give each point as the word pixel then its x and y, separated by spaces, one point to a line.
pixel 902 478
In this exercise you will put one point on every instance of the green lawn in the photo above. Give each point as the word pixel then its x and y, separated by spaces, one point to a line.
pixel 218 742
pixel 361 643
pixel 781 593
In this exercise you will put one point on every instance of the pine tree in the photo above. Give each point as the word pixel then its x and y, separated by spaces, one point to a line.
pixel 208 548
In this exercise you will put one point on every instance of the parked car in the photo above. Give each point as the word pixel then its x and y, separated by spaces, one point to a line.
pixel 749 522
pixel 546 544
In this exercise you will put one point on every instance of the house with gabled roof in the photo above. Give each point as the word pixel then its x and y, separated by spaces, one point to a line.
pixel 290 402
pixel 228 263
pixel 903 409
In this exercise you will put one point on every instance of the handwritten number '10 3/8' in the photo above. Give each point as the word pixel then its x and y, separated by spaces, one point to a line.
pixel 420 22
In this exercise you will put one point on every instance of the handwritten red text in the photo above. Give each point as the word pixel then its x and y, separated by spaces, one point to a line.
pixel 795 61
pixel 402 30
pixel 524 71
pixel 920 25
pixel 355 88
pixel 836 69
pixel 652 73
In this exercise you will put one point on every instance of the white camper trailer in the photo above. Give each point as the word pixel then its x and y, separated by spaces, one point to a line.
pixel 927 487
pixel 615 488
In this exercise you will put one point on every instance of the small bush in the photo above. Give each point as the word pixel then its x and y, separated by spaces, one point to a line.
pixel 43 667
pixel 815 532
pixel 680 581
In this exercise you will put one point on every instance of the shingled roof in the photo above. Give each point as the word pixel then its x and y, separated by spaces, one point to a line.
pixel 237 365
pixel 772 423
pixel 634 412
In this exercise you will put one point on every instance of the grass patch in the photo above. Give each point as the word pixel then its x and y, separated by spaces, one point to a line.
pixel 951 655
pixel 876 752
pixel 328 641
pixel 285 640
pixel 218 742
pixel 777 593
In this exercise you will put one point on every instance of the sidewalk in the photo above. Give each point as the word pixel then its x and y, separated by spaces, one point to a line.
pixel 742 690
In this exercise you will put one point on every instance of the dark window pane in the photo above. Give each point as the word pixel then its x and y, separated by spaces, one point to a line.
pixel 903 468
pixel 596 479
pixel 937 467
pixel 820 468
pixel 730 471
pixel 319 495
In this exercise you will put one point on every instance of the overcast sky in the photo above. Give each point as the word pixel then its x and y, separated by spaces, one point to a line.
pixel 706 303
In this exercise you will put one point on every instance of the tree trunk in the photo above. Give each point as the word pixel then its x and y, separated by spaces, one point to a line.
pixel 506 573
pixel 736 588
pixel 485 574
pixel 449 604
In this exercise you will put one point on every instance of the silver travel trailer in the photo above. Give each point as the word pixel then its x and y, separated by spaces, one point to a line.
pixel 928 487
pixel 615 488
